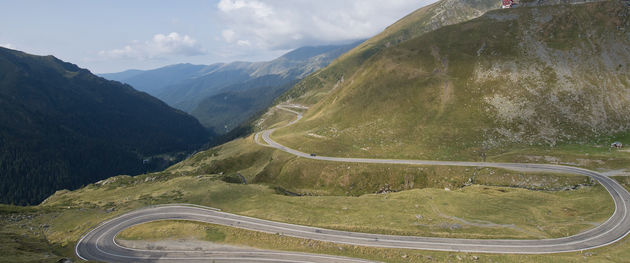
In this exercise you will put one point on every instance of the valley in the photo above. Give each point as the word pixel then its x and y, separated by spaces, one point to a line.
pixel 223 96
pixel 460 133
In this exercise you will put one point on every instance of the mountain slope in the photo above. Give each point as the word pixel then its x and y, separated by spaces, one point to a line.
pixel 269 80
pixel 421 21
pixel 527 76
pixel 225 111
pixel 62 127
pixel 122 76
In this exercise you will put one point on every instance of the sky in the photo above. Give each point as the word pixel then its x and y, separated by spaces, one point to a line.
pixel 116 35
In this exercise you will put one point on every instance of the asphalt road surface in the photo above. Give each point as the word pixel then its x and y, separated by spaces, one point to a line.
pixel 99 244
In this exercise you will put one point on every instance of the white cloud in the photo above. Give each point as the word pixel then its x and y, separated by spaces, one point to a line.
pixel 7 45
pixel 243 43
pixel 259 9
pixel 159 46
pixel 228 35
pixel 281 24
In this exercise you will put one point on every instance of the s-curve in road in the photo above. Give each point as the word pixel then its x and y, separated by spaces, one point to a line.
pixel 99 244
pixel 614 229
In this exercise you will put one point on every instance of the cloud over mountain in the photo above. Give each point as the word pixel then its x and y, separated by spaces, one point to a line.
pixel 7 45
pixel 159 46
pixel 275 24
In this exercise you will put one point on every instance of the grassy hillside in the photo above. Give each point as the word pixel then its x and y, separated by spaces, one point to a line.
pixel 419 22
pixel 533 76
pixel 618 252
pixel 477 211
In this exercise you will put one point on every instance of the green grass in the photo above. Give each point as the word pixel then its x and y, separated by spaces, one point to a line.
pixel 326 178
pixel 23 240
pixel 271 167
pixel 160 230
pixel 475 211
pixel 597 155
pixel 15 247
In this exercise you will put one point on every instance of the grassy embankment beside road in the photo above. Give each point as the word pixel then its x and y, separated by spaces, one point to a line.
pixel 173 230
pixel 474 212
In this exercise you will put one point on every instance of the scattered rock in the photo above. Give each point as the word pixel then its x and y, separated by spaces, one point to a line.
pixel 450 226
pixel 65 260
pixel 385 190
pixel 475 258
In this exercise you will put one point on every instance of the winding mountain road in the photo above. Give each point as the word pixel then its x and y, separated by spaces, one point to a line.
pixel 99 244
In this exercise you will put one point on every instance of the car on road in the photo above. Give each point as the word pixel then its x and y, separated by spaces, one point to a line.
pixel 312 154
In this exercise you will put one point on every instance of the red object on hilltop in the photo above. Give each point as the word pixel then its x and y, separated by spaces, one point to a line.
pixel 507 4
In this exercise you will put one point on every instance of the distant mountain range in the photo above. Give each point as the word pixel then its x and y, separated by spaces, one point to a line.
pixel 222 96
pixel 63 127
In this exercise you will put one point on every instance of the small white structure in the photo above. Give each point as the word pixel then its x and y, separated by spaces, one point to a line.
pixel 617 145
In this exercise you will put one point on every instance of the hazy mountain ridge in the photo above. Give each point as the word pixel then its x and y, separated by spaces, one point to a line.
pixel 62 127
pixel 155 81
pixel 193 88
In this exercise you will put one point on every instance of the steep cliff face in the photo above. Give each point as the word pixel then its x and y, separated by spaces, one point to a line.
pixel 528 76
